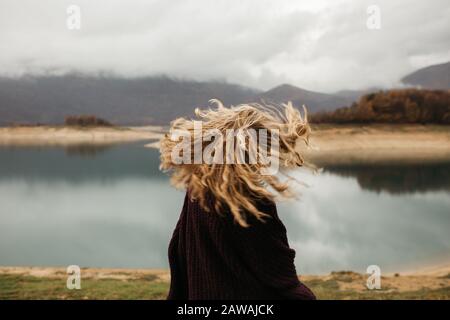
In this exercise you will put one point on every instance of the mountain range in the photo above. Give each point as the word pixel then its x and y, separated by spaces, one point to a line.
pixel 158 100
pixel 137 101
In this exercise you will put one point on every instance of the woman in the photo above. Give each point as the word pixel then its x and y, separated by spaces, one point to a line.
pixel 229 242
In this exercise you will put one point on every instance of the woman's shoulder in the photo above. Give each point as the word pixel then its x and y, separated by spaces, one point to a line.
pixel 264 205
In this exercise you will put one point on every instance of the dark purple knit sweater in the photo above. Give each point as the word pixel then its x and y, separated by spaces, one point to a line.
pixel 212 257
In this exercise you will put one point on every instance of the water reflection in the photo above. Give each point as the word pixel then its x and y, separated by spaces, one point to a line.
pixel 337 225
pixel 398 179
pixel 86 150
pixel 106 163
pixel 114 208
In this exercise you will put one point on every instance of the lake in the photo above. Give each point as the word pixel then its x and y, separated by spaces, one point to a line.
pixel 110 206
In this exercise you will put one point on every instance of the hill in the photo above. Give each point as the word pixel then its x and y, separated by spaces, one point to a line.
pixel 314 101
pixel 432 77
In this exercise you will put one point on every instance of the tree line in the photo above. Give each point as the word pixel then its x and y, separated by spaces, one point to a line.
pixel 393 106
pixel 86 121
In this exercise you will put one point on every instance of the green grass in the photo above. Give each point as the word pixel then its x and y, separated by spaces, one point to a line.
pixel 28 287
pixel 147 287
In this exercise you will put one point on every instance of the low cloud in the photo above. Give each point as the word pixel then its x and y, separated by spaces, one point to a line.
pixel 322 46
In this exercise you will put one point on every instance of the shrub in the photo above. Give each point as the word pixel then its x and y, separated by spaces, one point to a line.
pixel 86 121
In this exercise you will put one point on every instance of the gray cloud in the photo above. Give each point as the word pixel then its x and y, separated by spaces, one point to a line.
pixel 320 45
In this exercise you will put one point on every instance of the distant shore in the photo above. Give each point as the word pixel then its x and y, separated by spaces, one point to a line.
pixel 342 144
pixel 350 144
pixel 103 283
pixel 329 144
pixel 67 135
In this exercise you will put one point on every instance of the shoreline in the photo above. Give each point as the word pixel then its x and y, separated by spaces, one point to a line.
pixel 329 144
pixel 391 144
pixel 67 136
pixel 325 139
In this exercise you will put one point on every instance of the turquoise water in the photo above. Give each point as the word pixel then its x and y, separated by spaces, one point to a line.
pixel 111 207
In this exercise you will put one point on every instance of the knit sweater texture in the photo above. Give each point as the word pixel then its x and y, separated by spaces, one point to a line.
pixel 213 258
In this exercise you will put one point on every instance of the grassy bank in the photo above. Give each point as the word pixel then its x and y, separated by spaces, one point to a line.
pixel 29 287
pixel 50 283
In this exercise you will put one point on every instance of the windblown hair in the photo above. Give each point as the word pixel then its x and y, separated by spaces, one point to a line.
pixel 238 187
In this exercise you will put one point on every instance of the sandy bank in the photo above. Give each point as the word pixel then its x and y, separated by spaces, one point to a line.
pixel 44 135
pixel 375 143
pixel 378 143
pixel 328 144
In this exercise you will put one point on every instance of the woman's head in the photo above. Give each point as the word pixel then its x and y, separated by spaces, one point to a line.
pixel 228 152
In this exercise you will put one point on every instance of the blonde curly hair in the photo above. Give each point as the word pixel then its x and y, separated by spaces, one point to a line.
pixel 237 187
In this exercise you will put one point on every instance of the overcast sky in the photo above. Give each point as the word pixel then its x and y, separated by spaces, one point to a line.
pixel 317 44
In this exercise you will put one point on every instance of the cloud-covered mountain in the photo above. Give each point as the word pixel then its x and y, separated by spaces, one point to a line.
pixel 158 100
pixel 314 101
pixel 139 101
pixel 432 77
